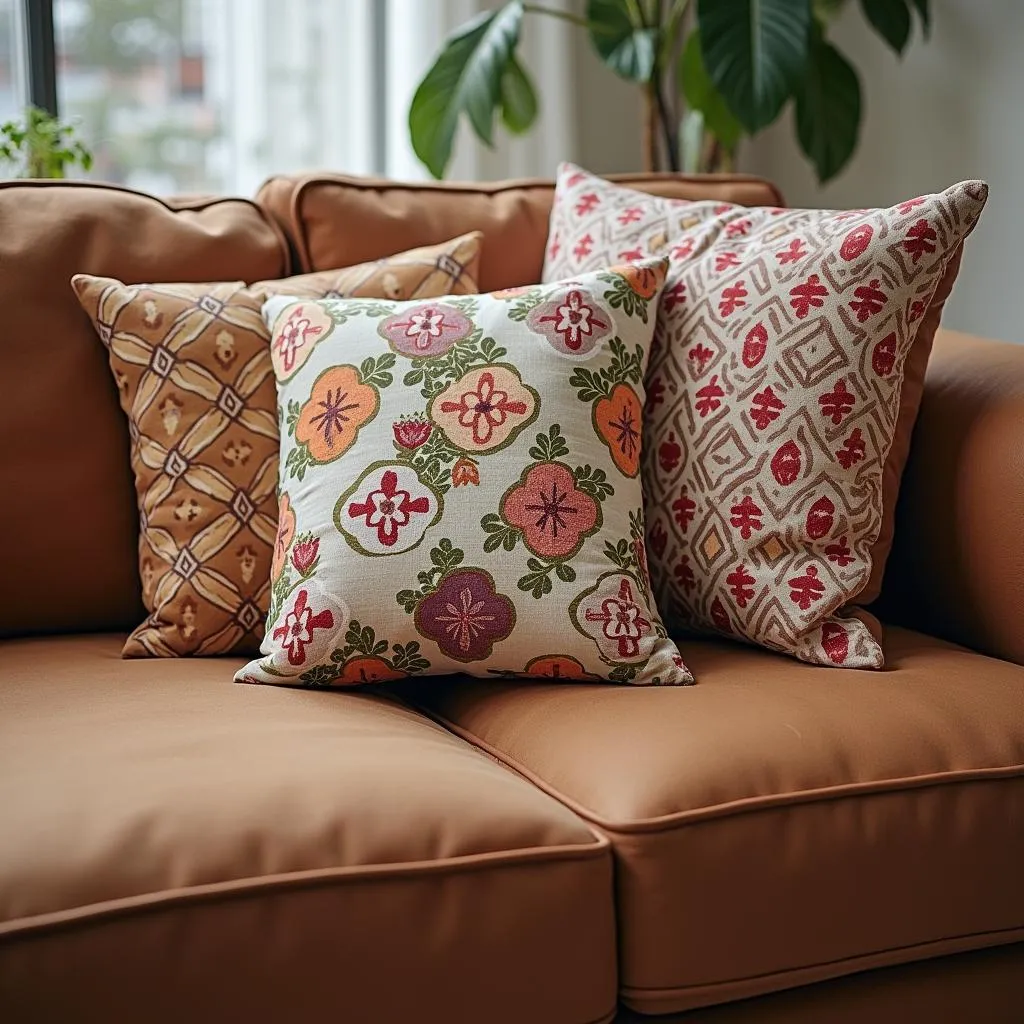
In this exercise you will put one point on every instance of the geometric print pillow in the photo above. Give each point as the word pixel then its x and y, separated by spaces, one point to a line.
pixel 459 487
pixel 193 371
pixel 789 361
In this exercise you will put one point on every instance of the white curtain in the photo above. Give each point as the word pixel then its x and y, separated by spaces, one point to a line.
pixel 415 32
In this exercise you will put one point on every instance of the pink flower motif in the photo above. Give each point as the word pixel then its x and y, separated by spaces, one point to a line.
pixel 552 513
pixel 733 298
pixel 294 340
pixel 296 631
pixel 610 614
pixel 388 509
pixel 793 252
pixel 412 432
pixel 674 296
pixel 306 554
pixel 583 247
pixel 573 323
pixel 425 330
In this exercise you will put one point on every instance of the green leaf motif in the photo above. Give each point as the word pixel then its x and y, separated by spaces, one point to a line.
pixel 828 111
pixel 549 446
pixel 298 461
pixel 755 52
pixel 294 409
pixel 891 20
pixel 589 386
pixel 702 96
pixel 466 78
pixel 623 42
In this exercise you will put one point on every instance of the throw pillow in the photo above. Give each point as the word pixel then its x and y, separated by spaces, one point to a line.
pixel 193 369
pixel 460 490
pixel 788 368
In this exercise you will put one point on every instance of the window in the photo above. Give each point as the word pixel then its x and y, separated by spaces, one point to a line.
pixel 12 74
pixel 214 95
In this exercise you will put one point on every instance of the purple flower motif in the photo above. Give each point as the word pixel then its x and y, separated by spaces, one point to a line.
pixel 425 330
pixel 466 616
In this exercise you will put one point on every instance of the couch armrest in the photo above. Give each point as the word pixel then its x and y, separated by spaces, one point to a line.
pixel 957 563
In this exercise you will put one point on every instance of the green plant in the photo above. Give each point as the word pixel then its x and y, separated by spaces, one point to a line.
pixel 712 72
pixel 42 146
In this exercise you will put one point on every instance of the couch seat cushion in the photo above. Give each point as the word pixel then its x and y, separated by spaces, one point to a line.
pixel 778 823
pixel 260 853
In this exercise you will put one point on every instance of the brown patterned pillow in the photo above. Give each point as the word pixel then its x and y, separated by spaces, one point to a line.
pixel 193 370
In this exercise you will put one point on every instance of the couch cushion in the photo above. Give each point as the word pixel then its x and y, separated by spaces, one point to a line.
pixel 336 220
pixel 778 823
pixel 69 518
pixel 259 853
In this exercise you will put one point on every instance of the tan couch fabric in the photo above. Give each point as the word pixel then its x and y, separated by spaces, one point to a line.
pixel 779 824
pixel 68 514
pixel 336 220
pixel 263 853
pixel 957 564
pixel 981 987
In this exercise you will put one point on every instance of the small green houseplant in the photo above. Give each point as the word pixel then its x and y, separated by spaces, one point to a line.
pixel 712 72
pixel 42 146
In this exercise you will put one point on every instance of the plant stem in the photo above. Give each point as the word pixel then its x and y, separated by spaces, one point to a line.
pixel 575 19
pixel 650 130
pixel 669 134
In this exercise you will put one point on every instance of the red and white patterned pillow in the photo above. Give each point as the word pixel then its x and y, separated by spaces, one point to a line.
pixel 782 391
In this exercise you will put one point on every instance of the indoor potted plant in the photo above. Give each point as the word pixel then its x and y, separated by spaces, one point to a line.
pixel 712 72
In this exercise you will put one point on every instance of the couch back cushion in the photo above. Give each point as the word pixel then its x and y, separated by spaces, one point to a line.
pixel 335 220
pixel 68 513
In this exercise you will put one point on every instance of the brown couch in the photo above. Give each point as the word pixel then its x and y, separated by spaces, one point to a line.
pixel 778 843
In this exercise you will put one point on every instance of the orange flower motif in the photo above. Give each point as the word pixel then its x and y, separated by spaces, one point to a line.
pixel 465 472
pixel 557 666
pixel 338 406
pixel 285 535
pixel 617 419
pixel 644 280
pixel 367 668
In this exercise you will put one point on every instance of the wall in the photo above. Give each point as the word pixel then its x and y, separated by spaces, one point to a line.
pixel 952 109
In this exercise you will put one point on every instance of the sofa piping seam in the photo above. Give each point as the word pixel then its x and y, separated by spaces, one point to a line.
pixel 744 805
pixel 255 886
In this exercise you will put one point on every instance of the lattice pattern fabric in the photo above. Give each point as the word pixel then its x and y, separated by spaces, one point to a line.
pixel 193 369
pixel 477 458
pixel 788 366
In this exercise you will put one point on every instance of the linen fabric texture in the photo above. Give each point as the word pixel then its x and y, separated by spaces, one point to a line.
pixel 192 367
pixel 785 379
pixel 460 489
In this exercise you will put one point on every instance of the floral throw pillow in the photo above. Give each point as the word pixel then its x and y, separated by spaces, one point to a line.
pixel 784 383
pixel 193 372
pixel 459 487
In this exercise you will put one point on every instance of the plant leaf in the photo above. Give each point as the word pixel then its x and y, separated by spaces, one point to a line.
pixel 518 104
pixel 755 52
pixel 828 111
pixel 465 78
pixel 701 95
pixel 891 20
pixel 925 13
pixel 626 47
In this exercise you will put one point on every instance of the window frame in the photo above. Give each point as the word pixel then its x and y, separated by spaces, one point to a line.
pixel 40 54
